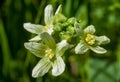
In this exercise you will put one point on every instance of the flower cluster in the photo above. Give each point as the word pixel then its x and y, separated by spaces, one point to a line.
pixel 55 37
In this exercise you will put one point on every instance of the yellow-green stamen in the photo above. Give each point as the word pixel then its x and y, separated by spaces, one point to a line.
pixel 90 39
pixel 49 53
pixel 46 27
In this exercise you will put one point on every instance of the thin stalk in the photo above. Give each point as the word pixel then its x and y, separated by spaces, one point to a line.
pixel 39 14
pixel 118 59
pixel 84 73
pixel 5 49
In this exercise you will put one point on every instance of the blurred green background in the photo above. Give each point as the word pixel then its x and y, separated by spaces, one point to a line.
pixel 16 63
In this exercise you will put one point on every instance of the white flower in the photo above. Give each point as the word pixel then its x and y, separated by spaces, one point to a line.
pixel 38 29
pixel 90 41
pixel 50 52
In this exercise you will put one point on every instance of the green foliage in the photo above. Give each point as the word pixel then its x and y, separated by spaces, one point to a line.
pixel 16 63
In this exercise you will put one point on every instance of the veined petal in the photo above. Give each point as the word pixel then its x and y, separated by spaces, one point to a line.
pixel 58 66
pixel 98 50
pixel 36 48
pixel 42 67
pixel 48 14
pixel 33 28
pixel 59 9
pixel 90 29
pixel 81 48
pixel 78 29
pixel 50 30
pixel 48 40
pixel 61 47
pixel 35 39
pixel 102 40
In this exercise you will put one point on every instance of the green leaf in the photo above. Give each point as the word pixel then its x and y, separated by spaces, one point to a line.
pixel 90 29
pixel 36 48
pixel 35 39
pixel 33 28
pixel 102 40
pixel 48 14
pixel 103 78
pixel 114 70
pixel 58 66
pixel 61 47
pixel 59 9
pixel 98 50
pixel 81 48
pixel 42 67
pixel 48 40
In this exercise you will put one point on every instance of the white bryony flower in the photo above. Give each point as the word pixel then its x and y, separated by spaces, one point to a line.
pixel 90 41
pixel 38 29
pixel 50 54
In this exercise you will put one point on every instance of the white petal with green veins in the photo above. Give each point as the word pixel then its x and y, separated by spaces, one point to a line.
pixel 48 14
pixel 81 48
pixel 35 39
pixel 48 40
pixel 59 9
pixel 58 66
pixel 98 50
pixel 36 48
pixel 33 28
pixel 42 67
pixel 78 29
pixel 50 30
pixel 61 47
pixel 102 40
pixel 90 29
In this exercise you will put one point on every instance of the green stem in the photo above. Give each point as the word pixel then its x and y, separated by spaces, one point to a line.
pixel 5 49
pixel 118 58
pixel 39 14
pixel 84 72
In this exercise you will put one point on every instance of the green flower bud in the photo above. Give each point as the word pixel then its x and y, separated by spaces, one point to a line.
pixel 71 29
pixel 71 20
pixel 57 27
pixel 65 24
pixel 65 36
pixel 59 18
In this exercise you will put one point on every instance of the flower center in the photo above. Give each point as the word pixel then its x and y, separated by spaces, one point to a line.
pixel 90 39
pixel 49 53
pixel 46 27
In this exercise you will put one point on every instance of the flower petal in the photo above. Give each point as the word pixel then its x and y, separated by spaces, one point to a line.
pixel 81 48
pixel 78 29
pixel 98 50
pixel 35 39
pixel 90 29
pixel 50 30
pixel 48 14
pixel 48 40
pixel 59 9
pixel 102 40
pixel 58 66
pixel 36 48
pixel 33 28
pixel 61 47
pixel 42 67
